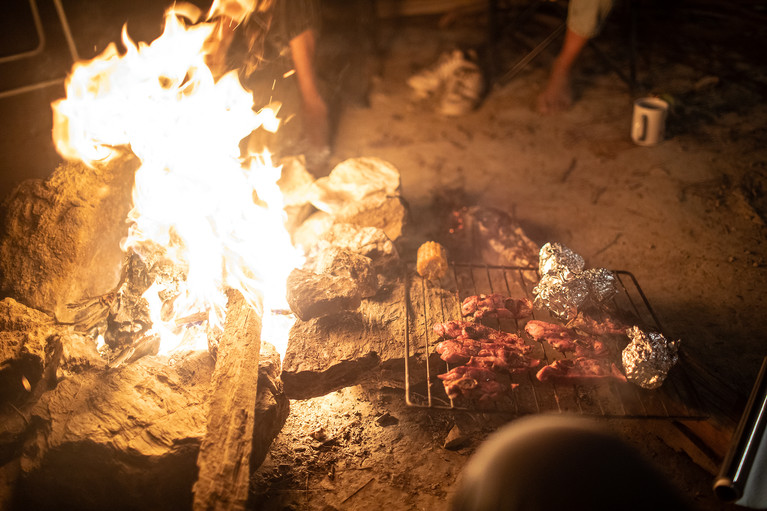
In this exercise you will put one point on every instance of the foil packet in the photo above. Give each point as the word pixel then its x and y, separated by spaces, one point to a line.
pixel 602 284
pixel 562 297
pixel 557 259
pixel 648 358
pixel 566 286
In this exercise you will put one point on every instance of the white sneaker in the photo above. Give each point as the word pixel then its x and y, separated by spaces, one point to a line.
pixel 463 90
pixel 429 80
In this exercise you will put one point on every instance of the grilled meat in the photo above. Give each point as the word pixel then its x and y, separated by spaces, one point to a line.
pixel 565 340
pixel 496 306
pixel 473 383
pixel 581 369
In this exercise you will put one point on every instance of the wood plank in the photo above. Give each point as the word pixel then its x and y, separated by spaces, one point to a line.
pixel 224 458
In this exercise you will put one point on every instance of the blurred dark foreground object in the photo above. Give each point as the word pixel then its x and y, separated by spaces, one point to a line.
pixel 547 463
pixel 744 470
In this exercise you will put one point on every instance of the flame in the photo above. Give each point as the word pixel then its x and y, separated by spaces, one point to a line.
pixel 197 203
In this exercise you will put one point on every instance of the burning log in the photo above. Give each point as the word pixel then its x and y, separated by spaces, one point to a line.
pixel 225 454
pixel 92 436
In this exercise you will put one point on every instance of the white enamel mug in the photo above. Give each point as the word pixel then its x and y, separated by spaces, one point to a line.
pixel 648 125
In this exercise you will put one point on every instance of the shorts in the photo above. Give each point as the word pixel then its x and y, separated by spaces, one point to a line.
pixel 586 17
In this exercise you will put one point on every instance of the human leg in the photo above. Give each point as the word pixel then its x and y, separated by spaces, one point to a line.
pixel 557 96
pixel 584 21
pixel 314 108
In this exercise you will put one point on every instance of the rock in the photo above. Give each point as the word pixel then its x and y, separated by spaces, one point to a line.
pixel 311 295
pixel 120 439
pixel 59 238
pixel 387 419
pixel 343 263
pixel 307 234
pixel 351 181
pixel 129 438
pixel 455 438
pixel 295 181
pixel 371 242
pixel 25 349
pixel 386 212
pixel 332 352
pixel 328 353
pixel 333 280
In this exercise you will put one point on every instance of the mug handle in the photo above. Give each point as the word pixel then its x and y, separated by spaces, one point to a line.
pixel 643 136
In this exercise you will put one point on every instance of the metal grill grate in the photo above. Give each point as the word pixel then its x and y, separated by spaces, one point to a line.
pixel 428 304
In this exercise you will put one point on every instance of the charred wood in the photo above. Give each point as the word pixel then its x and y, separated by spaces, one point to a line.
pixel 225 454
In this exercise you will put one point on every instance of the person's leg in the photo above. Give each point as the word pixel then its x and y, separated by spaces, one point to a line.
pixel 558 94
pixel 314 108
pixel 584 21
pixel 548 463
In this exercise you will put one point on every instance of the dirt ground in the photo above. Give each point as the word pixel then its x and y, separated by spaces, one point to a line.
pixel 686 217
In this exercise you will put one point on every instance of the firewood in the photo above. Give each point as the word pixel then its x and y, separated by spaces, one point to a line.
pixel 224 458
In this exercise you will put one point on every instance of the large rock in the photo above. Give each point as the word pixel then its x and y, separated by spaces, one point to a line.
pixel 328 353
pixel 353 180
pixel 368 241
pixel 24 349
pixel 333 280
pixel 125 438
pixel 386 212
pixel 59 238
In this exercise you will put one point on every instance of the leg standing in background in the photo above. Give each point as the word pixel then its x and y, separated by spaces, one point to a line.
pixel 314 108
pixel 584 21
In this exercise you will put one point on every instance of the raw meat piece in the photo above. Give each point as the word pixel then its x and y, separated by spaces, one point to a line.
pixel 590 325
pixel 581 369
pixel 558 336
pixel 565 340
pixel 472 382
pixel 458 350
pixel 467 329
pixel 501 358
pixel 496 306
pixel 520 307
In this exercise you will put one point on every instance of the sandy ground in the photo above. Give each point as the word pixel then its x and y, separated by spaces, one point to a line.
pixel 686 217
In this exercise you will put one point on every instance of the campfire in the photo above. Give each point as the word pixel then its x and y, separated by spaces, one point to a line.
pixel 176 336
pixel 171 290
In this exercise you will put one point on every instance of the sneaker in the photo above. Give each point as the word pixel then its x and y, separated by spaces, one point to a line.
pixel 463 90
pixel 429 80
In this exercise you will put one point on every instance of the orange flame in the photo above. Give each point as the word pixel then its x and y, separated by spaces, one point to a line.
pixel 196 203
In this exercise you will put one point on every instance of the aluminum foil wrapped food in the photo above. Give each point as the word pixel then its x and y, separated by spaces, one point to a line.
pixel 602 284
pixel 648 357
pixel 565 286
pixel 562 297
pixel 557 259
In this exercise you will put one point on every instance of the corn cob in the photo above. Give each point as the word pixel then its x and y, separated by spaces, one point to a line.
pixel 431 262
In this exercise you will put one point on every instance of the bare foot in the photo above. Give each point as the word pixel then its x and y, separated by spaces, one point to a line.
pixel 557 97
